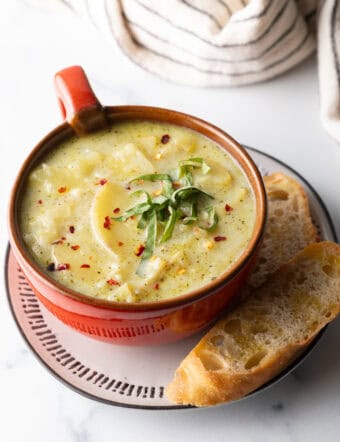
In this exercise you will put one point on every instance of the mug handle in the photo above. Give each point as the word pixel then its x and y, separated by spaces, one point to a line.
pixel 78 103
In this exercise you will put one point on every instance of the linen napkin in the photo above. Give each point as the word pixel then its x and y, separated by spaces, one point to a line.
pixel 211 43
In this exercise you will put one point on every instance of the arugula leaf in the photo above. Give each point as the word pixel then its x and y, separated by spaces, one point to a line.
pixel 137 210
pixel 167 188
pixel 184 169
pixel 211 219
pixel 143 221
pixel 150 236
pixel 160 201
pixel 196 162
pixel 142 192
pixel 163 214
pixel 170 206
pixel 185 174
pixel 170 225
pixel 185 192
pixel 153 177
pixel 189 209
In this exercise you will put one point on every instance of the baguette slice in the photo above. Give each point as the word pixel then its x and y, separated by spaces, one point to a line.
pixel 265 333
pixel 289 228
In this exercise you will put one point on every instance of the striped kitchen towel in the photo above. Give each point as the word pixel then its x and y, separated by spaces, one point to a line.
pixel 224 42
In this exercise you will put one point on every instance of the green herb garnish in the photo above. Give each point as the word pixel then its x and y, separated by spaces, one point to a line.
pixel 185 167
pixel 152 177
pixel 170 224
pixel 185 203
pixel 209 218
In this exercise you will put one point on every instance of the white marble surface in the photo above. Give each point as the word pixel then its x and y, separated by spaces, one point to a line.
pixel 279 117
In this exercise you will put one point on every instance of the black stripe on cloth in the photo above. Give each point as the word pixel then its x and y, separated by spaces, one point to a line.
pixel 310 14
pixel 258 15
pixel 226 45
pixel 204 12
pixel 227 7
pixel 109 22
pixel 218 72
pixel 333 39
pixel 285 33
pixel 121 47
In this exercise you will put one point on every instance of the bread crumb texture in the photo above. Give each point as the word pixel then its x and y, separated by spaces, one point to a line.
pixel 289 227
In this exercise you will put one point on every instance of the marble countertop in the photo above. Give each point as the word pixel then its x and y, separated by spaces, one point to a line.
pixel 279 117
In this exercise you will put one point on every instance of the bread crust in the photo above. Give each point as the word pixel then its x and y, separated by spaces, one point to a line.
pixel 196 384
pixel 217 388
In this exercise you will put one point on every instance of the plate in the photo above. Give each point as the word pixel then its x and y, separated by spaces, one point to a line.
pixel 124 376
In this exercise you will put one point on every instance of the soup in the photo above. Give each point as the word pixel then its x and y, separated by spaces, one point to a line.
pixel 139 212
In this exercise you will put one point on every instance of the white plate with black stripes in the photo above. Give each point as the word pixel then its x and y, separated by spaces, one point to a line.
pixel 124 376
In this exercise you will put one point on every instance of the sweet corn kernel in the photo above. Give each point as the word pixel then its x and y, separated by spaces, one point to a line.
pixel 243 194
pixel 181 271
pixel 158 156
pixel 157 192
pixel 209 245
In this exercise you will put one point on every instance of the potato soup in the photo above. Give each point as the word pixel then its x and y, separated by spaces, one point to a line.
pixel 139 212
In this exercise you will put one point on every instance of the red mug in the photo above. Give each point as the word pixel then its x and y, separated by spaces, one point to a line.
pixel 132 323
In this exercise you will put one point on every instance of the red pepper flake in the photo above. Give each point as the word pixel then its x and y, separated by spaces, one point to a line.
pixel 120 243
pixel 59 241
pixel 107 223
pixel 51 267
pixel 165 139
pixel 116 210
pixel 176 185
pixel 228 208
pixel 62 189
pixel 101 182
pixel 63 267
pixel 40 202
pixel 132 217
pixel 128 187
pixel 112 282
pixel 85 266
pixel 76 247
pixel 156 286
pixel 71 229
pixel 220 238
pixel 139 250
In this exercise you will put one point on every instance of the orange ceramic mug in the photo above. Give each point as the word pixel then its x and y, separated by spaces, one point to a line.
pixel 131 323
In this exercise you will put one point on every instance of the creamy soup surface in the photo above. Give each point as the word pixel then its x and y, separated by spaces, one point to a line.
pixel 74 194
